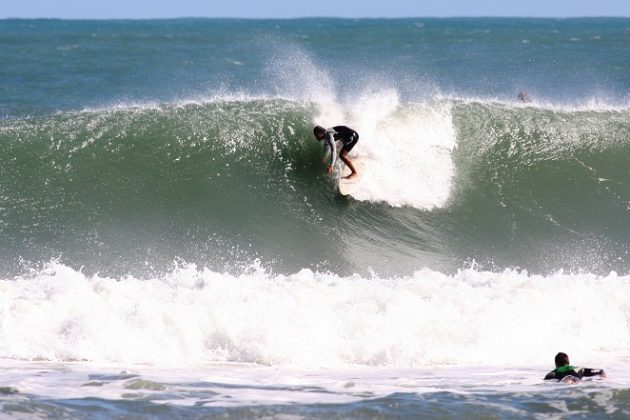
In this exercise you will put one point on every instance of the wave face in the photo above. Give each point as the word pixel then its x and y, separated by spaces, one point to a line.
pixel 547 184
pixel 225 182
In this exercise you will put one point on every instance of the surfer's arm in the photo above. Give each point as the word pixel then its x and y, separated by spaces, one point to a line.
pixel 587 372
pixel 325 151
pixel 330 143
pixel 551 375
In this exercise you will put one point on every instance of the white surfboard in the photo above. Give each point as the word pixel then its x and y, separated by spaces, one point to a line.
pixel 348 186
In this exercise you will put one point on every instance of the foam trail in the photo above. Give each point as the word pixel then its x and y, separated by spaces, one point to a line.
pixel 310 319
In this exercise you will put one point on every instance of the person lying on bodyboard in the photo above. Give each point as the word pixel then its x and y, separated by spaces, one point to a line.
pixel 564 372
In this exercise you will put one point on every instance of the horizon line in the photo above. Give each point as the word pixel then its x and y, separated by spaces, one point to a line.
pixel 315 17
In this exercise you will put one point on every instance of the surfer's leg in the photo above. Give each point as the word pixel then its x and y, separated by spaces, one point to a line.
pixel 344 158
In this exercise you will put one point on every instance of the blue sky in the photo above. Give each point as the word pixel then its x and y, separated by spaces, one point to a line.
pixel 300 8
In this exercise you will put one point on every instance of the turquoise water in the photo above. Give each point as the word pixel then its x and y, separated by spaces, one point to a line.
pixel 163 205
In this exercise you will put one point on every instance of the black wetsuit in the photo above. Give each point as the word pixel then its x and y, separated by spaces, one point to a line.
pixel 346 135
pixel 564 371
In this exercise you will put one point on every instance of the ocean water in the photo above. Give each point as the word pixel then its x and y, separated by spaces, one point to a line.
pixel 171 246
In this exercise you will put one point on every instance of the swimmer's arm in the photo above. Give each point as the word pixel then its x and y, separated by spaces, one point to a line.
pixel 550 375
pixel 587 372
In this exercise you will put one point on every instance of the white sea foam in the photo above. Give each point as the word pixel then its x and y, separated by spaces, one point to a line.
pixel 196 316
pixel 405 150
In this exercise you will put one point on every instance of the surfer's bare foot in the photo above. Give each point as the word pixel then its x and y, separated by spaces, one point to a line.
pixel 352 175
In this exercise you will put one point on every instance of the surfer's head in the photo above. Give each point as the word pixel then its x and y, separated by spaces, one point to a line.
pixel 319 132
pixel 561 359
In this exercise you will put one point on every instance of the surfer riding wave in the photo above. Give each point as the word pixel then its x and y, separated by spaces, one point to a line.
pixel 348 137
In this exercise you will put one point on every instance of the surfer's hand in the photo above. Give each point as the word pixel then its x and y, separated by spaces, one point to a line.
pixel 330 169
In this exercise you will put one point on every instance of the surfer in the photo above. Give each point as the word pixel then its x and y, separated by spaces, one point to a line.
pixel 564 371
pixel 348 137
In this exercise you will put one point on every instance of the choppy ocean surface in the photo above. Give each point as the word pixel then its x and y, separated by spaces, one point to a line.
pixel 171 246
